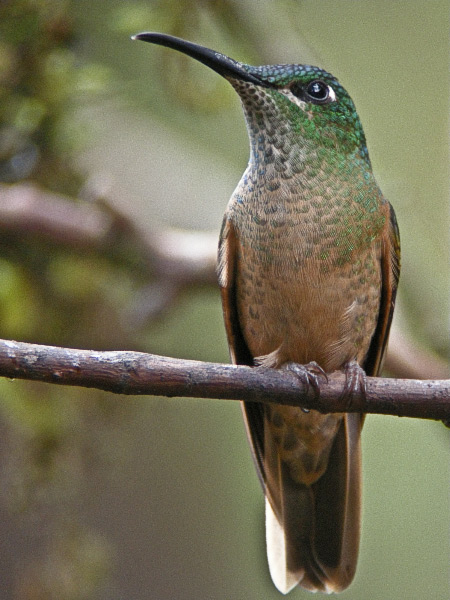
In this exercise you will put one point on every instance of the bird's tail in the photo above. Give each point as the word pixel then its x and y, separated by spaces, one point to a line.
pixel 312 532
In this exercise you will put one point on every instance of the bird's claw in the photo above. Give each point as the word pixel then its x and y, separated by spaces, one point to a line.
pixel 355 381
pixel 309 375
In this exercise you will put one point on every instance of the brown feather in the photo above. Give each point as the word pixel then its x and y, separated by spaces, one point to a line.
pixel 390 271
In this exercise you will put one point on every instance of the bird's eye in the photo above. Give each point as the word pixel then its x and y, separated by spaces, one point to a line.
pixel 319 92
pixel 315 92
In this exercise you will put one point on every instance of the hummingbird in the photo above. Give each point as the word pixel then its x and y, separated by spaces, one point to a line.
pixel 308 266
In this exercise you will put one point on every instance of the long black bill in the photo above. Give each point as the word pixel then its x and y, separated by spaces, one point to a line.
pixel 225 66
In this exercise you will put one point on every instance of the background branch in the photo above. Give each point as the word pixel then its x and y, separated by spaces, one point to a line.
pixel 139 373
pixel 96 224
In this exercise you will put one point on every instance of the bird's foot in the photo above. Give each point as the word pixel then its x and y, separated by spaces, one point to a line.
pixel 309 375
pixel 355 381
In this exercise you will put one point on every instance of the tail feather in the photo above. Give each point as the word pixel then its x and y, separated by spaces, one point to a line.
pixel 312 532
pixel 277 554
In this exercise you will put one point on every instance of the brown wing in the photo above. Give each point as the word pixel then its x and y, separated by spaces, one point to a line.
pixel 390 270
pixel 240 354
pixel 226 268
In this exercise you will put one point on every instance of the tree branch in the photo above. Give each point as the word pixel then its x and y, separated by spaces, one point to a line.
pixel 139 373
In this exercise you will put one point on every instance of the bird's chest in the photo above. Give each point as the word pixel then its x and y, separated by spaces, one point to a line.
pixel 307 285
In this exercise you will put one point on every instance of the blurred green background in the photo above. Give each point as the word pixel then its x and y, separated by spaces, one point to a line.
pixel 107 497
